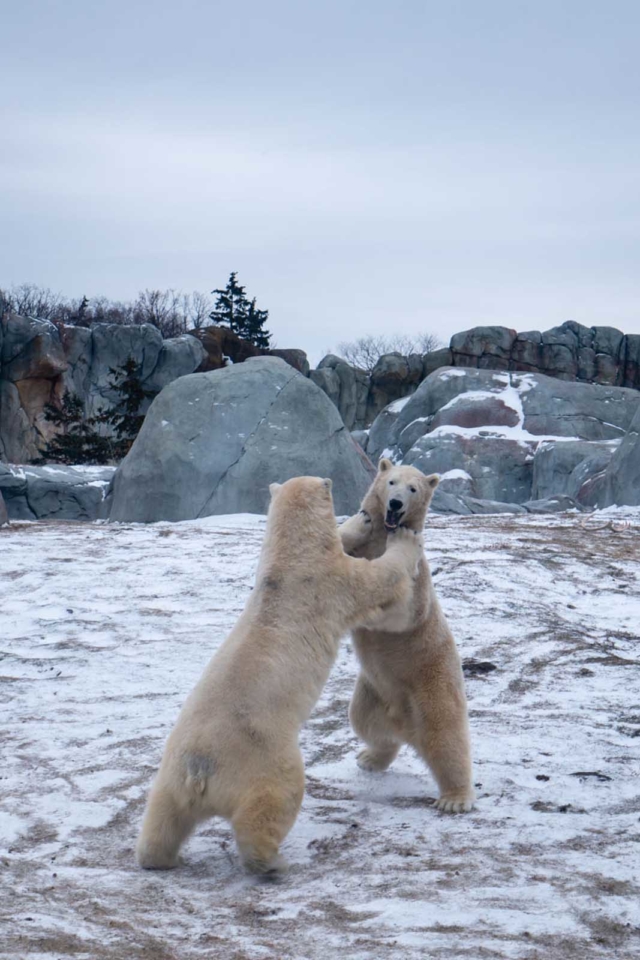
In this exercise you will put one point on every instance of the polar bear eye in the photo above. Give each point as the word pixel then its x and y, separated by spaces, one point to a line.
pixel 391 482
pixel 413 489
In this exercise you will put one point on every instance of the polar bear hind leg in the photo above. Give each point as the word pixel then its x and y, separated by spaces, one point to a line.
pixel 369 720
pixel 442 740
pixel 264 818
pixel 166 826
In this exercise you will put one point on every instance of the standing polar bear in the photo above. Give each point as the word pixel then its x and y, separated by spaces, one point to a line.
pixel 234 750
pixel 410 688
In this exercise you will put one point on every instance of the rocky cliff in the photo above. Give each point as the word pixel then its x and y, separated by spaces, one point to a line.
pixel 570 352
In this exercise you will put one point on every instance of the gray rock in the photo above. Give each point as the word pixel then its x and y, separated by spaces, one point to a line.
pixel 346 386
pixel 178 357
pixel 17 435
pixel 4 516
pixel 433 393
pixel 558 353
pixel 475 410
pixel 77 343
pixel 500 469
pixel 213 442
pixel 492 506
pixel 443 502
pixel 552 505
pixel 55 493
pixel 490 346
pixel 41 362
pixel 294 357
pixel 555 464
pixel 631 363
pixel 31 349
pixel 587 478
pixel 382 429
pixel 620 484
pixel 361 437
pixel 607 340
pixel 526 352
pixel 586 411
pixel 436 359
pixel 393 378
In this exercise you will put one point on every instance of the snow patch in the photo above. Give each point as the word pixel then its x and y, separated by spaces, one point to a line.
pixel 398 405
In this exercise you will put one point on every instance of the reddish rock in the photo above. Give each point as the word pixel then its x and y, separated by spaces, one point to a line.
pixel 467 412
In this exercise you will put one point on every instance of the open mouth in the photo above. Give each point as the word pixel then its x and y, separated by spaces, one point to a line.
pixel 393 518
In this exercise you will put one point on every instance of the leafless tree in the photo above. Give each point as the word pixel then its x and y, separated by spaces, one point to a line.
pixel 366 351
pixel 164 309
pixel 29 300
pixel 200 306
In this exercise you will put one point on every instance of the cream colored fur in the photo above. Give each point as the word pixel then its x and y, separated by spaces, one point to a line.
pixel 410 688
pixel 234 750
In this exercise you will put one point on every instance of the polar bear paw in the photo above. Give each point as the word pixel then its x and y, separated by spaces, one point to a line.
pixel 375 761
pixel 460 802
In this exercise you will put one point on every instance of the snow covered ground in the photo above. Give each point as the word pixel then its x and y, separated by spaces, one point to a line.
pixel 104 630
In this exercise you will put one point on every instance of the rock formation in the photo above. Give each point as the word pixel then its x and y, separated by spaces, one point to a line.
pixel 212 443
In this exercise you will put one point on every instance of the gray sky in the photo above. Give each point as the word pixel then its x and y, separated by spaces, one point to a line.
pixel 365 167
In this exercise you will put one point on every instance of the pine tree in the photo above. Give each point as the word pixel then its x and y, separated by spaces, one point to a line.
pixel 231 306
pixel 78 441
pixel 81 315
pixel 254 330
pixel 125 417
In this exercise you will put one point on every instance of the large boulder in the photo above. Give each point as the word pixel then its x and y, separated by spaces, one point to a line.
pixel 41 362
pixel 212 443
pixel 506 436
pixel 498 469
pixel 563 468
pixel 55 492
pixel 392 378
pixel 621 479
pixel 484 347
pixel 534 406
pixel 346 386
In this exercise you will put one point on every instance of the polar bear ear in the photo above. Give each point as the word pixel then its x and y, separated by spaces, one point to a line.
pixel 327 483
pixel 273 488
pixel 432 480
pixel 384 465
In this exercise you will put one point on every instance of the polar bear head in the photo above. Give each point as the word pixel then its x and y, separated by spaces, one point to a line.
pixel 301 509
pixel 404 494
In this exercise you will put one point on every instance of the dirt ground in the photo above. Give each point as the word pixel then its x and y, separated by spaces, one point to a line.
pixel 103 631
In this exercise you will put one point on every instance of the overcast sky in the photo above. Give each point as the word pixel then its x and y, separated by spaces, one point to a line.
pixel 365 167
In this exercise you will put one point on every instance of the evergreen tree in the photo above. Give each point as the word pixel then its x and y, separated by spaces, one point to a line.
pixel 81 315
pixel 78 441
pixel 231 307
pixel 254 330
pixel 125 417
pixel 233 310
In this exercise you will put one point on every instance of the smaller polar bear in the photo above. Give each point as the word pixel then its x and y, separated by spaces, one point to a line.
pixel 410 688
pixel 234 750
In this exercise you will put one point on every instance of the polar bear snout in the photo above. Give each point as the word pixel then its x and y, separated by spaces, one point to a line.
pixel 394 514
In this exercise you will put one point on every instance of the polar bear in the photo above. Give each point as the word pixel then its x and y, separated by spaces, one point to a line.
pixel 410 688
pixel 234 750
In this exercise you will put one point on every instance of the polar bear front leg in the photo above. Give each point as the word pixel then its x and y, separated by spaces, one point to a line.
pixel 371 585
pixel 356 532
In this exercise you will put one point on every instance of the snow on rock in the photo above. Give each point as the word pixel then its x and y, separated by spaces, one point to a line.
pixel 105 629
